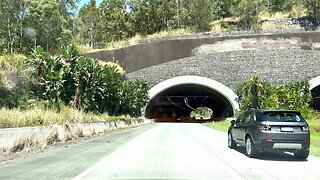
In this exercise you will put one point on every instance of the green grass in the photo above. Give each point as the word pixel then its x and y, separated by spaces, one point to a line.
pixel 314 126
pixel 220 125
pixel 315 144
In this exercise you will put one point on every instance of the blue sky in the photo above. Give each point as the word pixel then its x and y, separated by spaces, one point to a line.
pixel 82 2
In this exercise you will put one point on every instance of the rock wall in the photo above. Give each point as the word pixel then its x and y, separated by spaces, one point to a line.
pixel 234 67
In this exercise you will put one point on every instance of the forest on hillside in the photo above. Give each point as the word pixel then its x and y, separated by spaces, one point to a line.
pixel 51 24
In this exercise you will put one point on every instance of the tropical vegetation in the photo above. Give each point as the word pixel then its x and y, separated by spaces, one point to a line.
pixel 84 84
pixel 260 94
pixel 55 83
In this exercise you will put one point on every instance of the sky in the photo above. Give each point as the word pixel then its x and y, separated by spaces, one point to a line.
pixel 83 2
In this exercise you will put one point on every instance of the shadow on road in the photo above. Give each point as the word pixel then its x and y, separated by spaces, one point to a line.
pixel 273 156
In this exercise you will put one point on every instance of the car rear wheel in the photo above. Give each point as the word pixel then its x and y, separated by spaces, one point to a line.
pixel 231 143
pixel 250 149
pixel 302 154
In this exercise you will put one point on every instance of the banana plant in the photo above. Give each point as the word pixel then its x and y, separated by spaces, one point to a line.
pixel 53 82
pixel 85 84
pixel 255 93
pixel 38 62
pixel 70 60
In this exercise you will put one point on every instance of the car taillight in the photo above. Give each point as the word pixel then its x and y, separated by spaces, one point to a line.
pixel 268 139
pixel 305 128
pixel 264 127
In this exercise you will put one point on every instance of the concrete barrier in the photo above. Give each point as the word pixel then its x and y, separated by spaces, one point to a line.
pixel 9 136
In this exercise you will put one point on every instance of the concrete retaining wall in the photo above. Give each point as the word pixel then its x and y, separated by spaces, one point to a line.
pixel 10 135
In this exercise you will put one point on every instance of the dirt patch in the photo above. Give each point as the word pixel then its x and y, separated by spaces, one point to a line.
pixel 248 44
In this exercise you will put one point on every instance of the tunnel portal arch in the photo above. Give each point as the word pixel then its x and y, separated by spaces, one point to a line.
pixel 175 97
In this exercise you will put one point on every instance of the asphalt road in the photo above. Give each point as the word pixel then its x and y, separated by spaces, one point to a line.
pixel 159 151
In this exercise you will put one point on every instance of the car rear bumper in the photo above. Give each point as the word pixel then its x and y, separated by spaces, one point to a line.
pixel 283 146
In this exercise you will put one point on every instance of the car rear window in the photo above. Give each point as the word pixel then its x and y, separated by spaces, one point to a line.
pixel 282 117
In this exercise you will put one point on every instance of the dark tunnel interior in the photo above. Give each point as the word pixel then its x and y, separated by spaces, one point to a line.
pixel 176 103
pixel 316 98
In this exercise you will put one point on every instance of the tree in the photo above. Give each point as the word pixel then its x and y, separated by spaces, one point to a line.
pixel 142 16
pixel 201 14
pixel 114 21
pixel 89 16
pixel 248 12
pixel 50 26
pixel 13 14
pixel 223 9
pixel 280 5
pixel 313 7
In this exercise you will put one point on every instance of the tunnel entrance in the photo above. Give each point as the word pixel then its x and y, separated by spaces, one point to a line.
pixel 176 103
pixel 315 98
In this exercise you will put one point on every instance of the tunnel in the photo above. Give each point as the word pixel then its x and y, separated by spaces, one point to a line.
pixel 173 100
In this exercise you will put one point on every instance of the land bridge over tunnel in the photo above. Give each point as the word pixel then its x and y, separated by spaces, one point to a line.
pixel 227 61
pixel 174 99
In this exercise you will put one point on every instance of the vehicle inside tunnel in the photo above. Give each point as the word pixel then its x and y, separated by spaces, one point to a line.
pixel 176 103
pixel 315 104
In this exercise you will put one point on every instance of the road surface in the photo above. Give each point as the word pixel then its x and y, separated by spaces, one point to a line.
pixel 159 151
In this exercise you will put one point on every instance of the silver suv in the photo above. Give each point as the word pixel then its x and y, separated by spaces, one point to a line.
pixel 264 130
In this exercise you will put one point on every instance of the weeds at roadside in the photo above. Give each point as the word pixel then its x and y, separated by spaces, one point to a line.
pixel 78 133
pixel 90 132
pixel 38 116
pixel 53 137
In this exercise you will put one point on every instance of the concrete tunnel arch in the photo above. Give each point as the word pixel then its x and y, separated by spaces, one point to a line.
pixel 217 91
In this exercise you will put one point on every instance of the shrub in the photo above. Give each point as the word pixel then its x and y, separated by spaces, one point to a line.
pixel 85 83
pixel 12 61
pixel 259 94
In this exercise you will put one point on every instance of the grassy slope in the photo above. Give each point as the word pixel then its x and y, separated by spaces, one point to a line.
pixel 134 40
pixel 297 11
pixel 37 116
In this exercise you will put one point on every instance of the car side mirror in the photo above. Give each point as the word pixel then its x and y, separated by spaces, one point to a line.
pixel 233 122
